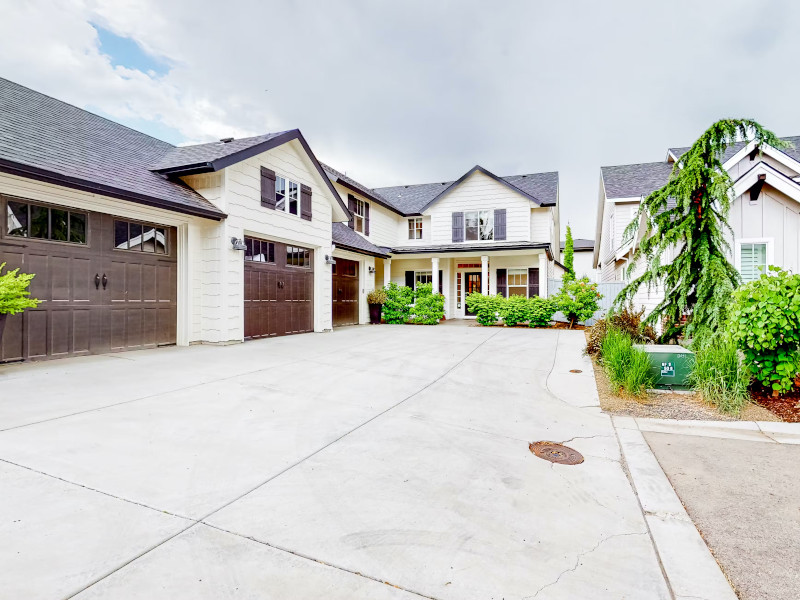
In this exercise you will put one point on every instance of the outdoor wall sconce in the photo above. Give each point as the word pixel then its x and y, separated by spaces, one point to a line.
pixel 372 270
pixel 238 244
pixel 329 260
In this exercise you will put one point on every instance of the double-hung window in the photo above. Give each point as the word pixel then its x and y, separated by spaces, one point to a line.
pixel 517 282
pixel 359 214
pixel 478 225
pixel 421 277
pixel 287 195
pixel 753 258
pixel 415 228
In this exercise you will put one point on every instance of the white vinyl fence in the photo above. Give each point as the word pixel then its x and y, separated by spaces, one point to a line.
pixel 608 290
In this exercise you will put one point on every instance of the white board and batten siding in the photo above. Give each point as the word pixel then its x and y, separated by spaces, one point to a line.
pixel 480 192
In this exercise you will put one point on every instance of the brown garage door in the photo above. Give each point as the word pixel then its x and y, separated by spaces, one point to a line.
pixel 345 292
pixel 278 289
pixel 106 284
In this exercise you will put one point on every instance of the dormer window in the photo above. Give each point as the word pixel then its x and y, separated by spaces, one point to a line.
pixel 359 215
pixel 478 225
pixel 415 228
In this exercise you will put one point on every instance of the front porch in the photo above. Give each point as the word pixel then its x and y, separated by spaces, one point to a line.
pixel 456 274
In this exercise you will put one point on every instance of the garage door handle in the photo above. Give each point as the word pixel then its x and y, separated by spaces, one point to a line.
pixel 97 281
pixel 105 281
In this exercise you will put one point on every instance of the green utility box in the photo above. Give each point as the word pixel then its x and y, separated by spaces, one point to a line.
pixel 669 364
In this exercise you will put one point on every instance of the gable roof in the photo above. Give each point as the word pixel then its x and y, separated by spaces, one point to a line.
pixel 347 239
pixel 49 140
pixel 540 188
pixel 580 245
pixel 352 184
pixel 731 150
pixel 214 156
pixel 634 181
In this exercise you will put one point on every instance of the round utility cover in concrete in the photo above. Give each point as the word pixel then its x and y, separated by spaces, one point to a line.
pixel 555 452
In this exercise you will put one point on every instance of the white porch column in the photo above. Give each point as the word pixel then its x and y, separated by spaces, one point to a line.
pixel 387 271
pixel 435 274
pixel 543 275
pixel 484 275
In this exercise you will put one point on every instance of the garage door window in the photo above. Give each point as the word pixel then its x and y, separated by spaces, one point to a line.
pixel 45 223
pixel 140 237
pixel 259 251
pixel 297 257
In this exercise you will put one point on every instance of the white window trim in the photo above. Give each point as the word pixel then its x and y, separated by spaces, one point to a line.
pixel 415 221
pixel 416 273
pixel 285 208
pixel 508 281
pixel 737 255
pixel 478 241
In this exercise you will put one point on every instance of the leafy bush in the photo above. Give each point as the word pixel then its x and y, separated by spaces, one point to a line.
pixel 397 307
pixel 628 321
pixel 377 296
pixel 485 308
pixel 514 310
pixel 14 292
pixel 540 311
pixel 765 325
pixel 428 307
pixel 628 368
pixel 577 299
pixel 720 377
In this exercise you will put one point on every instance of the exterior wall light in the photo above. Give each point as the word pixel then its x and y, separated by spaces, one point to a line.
pixel 238 244
pixel 372 270
pixel 329 260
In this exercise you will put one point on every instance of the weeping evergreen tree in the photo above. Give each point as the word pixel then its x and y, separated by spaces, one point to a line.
pixel 569 255
pixel 689 217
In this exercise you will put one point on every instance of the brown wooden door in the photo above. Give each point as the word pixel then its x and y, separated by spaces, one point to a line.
pixel 472 284
pixel 345 292
pixel 95 298
pixel 278 289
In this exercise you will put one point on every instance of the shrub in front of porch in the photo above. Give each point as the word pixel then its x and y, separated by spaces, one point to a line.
pixel 514 310
pixel 540 311
pixel 485 308
pixel 428 307
pixel 397 307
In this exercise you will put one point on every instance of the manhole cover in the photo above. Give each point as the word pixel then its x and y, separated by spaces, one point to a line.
pixel 556 453
pixel 575 371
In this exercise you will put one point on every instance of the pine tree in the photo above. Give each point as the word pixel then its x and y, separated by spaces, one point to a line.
pixel 689 216
pixel 569 255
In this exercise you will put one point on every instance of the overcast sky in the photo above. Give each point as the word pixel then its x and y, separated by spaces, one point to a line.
pixel 412 92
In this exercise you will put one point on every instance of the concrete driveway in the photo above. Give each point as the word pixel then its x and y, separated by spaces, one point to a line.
pixel 372 462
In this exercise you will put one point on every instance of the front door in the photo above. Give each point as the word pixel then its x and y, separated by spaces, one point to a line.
pixel 473 284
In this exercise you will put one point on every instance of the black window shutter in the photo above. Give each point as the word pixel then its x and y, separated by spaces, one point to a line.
pixel 410 279
pixel 267 188
pixel 305 202
pixel 441 281
pixel 500 224
pixel 502 282
pixel 533 282
pixel 351 206
pixel 366 218
pixel 458 227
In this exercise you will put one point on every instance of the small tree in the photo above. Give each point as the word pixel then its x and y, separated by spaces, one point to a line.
pixel 689 215
pixel 569 255
pixel 577 300
pixel 14 294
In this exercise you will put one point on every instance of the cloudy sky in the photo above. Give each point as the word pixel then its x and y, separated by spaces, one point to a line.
pixel 418 91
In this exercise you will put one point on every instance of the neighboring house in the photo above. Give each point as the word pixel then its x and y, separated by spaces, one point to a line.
pixel 481 233
pixel 764 215
pixel 582 258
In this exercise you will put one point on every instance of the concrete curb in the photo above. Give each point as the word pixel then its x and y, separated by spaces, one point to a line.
pixel 753 431
pixel 689 567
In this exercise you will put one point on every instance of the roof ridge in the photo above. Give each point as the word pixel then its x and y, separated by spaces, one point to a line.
pixel 655 162
pixel 88 112
pixel 407 185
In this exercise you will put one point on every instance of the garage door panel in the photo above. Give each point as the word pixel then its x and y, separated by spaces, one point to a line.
pixel 60 330
pixel 81 328
pixel 134 323
pixel 166 326
pixel 82 279
pixel 117 328
pixel 36 332
pixel 150 283
pixel 133 282
pixel 40 285
pixel 117 283
pixel 12 348
pixel 60 279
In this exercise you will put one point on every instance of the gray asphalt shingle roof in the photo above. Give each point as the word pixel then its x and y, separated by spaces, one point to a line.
pixel 199 154
pixel 580 244
pixel 411 199
pixel 629 181
pixel 343 236
pixel 44 136
pixel 734 148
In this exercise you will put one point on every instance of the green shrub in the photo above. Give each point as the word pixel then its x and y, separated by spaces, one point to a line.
pixel 765 325
pixel 627 367
pixel 577 299
pixel 485 308
pixel 515 310
pixel 719 375
pixel 428 307
pixel 397 307
pixel 540 311
pixel 14 292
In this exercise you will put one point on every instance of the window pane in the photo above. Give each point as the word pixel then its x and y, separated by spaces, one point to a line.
pixel 77 228
pixel 149 239
pixel 248 249
pixel 487 225
pixel 411 229
pixel 58 225
pixel 161 240
pixel 280 193
pixel 39 215
pixel 17 219
pixel 135 239
pixel 358 223
pixel 271 252
pixel 294 201
pixel 121 235
pixel 753 261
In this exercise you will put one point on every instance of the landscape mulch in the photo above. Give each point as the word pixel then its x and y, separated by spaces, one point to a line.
pixel 787 407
